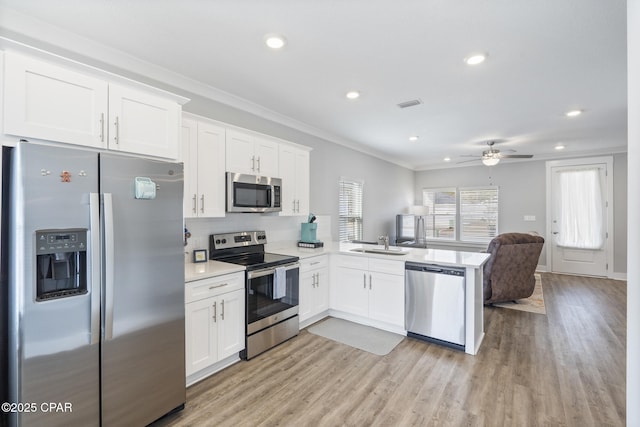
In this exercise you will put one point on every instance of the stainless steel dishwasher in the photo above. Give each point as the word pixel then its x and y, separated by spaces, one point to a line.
pixel 434 304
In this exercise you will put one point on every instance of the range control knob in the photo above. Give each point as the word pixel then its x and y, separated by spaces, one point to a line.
pixel 224 241
pixel 217 241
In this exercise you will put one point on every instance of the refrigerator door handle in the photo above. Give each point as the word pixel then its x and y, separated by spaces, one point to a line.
pixel 94 224
pixel 109 265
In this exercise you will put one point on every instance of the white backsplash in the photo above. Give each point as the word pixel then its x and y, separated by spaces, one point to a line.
pixel 280 230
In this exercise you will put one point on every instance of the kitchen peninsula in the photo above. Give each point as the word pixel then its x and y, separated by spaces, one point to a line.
pixel 345 257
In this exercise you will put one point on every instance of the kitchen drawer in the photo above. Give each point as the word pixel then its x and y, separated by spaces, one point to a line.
pixel 213 286
pixel 314 263
pixel 386 266
pixel 355 261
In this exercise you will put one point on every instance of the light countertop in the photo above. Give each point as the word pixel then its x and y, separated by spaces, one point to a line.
pixel 204 270
pixel 427 256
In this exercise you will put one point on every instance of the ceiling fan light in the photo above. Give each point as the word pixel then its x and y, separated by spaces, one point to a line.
pixel 275 41
pixel 490 161
pixel 475 59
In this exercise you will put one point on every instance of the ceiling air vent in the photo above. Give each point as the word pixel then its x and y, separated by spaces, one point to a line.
pixel 411 103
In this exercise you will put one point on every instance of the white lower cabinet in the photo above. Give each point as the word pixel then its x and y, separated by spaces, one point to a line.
pixel 214 322
pixel 314 288
pixel 370 289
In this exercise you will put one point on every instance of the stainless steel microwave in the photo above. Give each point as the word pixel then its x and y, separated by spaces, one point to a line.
pixel 252 193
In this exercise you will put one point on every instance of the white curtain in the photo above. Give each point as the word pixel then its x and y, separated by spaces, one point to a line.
pixel 581 223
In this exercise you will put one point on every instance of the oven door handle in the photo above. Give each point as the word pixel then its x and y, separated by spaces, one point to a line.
pixel 270 271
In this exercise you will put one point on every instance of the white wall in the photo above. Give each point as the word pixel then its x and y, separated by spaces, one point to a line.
pixel 388 188
pixel 522 191
pixel 633 273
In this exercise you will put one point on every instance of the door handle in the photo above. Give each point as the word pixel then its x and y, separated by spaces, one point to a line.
pixel 318 281
pixel 116 137
pixel 369 281
pixel 109 267
pixel 258 163
pixel 364 277
pixel 101 127
pixel 253 163
pixel 215 311
pixel 202 204
pixel 222 312
pixel 195 203
pixel 555 232
pixel 94 221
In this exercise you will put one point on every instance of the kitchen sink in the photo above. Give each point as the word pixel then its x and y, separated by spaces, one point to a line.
pixel 390 251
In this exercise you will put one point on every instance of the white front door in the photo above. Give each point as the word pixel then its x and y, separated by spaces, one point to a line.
pixel 579 216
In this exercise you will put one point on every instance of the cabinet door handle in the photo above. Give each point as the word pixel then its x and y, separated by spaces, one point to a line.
pixel 195 203
pixel 202 204
pixel 258 163
pixel 116 138
pixel 101 127
pixel 253 163
pixel 298 206
pixel 313 282
pixel 318 281
pixel 222 313
pixel 364 279
pixel 369 281
pixel 215 311
pixel 294 206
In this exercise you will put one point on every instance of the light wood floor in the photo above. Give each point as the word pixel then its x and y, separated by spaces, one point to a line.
pixel 565 368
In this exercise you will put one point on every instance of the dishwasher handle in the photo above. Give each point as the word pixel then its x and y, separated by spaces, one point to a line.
pixel 430 268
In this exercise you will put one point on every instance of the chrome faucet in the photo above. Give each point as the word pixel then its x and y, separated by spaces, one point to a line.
pixel 385 239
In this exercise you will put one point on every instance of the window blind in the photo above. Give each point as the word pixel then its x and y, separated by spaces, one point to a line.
pixel 350 218
pixel 478 214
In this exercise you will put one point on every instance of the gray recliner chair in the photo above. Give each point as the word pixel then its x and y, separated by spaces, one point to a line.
pixel 509 273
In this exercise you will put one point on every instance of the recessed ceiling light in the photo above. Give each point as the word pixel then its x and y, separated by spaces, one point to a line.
pixel 559 147
pixel 353 94
pixel 475 59
pixel 447 159
pixel 413 138
pixel 275 41
pixel 574 113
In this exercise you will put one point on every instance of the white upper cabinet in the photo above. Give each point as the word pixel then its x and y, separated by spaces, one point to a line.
pixel 143 123
pixel 203 150
pixel 57 103
pixel 45 101
pixel 294 171
pixel 251 154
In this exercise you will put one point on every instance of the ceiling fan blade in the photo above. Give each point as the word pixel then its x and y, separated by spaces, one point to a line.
pixel 470 155
pixel 516 156
pixel 467 161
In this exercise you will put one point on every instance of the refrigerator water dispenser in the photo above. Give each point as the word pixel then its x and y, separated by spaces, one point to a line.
pixel 61 263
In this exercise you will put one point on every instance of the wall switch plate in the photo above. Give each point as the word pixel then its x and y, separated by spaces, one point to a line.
pixel 529 217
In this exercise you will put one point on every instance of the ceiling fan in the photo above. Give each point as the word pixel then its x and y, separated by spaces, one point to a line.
pixel 492 156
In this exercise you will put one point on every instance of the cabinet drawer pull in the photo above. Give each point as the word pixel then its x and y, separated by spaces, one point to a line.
pixel 315 262
pixel 215 310
pixel 218 286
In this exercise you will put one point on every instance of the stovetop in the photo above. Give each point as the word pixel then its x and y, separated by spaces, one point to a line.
pixel 259 261
pixel 246 248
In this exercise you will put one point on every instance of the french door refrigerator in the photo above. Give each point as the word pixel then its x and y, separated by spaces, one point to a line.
pixel 96 288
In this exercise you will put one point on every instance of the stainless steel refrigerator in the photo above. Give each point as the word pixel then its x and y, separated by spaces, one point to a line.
pixel 96 287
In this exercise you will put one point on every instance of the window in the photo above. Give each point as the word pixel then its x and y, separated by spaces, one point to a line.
pixel 478 214
pixel 465 214
pixel 350 221
pixel 441 220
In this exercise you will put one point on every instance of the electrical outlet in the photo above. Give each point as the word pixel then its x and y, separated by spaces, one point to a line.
pixel 529 217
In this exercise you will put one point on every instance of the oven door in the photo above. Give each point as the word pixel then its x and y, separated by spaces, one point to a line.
pixel 269 302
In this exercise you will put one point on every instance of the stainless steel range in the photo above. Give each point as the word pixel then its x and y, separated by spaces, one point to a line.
pixel 272 288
